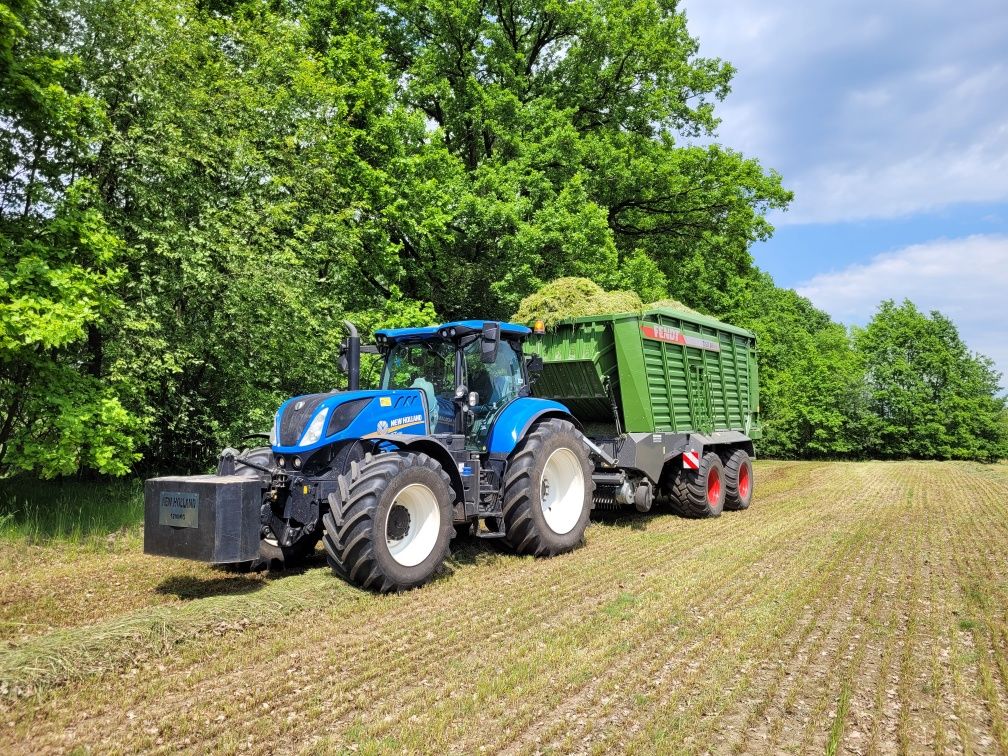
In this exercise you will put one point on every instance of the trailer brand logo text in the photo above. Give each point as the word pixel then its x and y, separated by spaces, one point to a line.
pixel 674 336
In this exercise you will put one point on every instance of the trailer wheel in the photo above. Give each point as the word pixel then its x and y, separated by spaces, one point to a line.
pixel 700 493
pixel 391 531
pixel 738 476
pixel 548 491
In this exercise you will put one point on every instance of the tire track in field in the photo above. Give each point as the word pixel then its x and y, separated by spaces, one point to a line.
pixel 763 726
pixel 644 646
pixel 675 686
pixel 737 595
pixel 517 577
pixel 601 686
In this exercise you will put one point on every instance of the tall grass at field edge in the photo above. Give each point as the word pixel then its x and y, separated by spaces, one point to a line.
pixel 69 511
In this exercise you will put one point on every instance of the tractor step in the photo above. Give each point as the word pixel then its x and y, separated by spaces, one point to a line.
pixel 489 534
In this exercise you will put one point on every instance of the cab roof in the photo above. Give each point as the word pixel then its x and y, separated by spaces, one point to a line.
pixel 462 328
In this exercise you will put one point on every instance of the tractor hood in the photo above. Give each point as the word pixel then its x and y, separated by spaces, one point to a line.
pixel 309 422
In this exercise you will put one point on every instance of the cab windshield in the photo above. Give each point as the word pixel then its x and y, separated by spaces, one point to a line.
pixel 430 367
pixel 409 365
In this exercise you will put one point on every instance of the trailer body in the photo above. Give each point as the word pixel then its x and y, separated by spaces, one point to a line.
pixel 656 389
pixel 665 371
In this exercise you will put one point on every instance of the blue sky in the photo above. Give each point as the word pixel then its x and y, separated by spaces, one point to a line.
pixel 890 123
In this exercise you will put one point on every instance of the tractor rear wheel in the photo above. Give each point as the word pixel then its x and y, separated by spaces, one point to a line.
pixel 738 480
pixel 548 491
pixel 390 529
pixel 700 493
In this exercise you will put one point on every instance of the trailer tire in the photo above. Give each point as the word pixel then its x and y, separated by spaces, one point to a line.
pixel 738 479
pixel 700 493
pixel 548 491
pixel 391 530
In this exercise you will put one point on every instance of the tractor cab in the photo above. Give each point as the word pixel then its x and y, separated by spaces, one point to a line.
pixel 468 371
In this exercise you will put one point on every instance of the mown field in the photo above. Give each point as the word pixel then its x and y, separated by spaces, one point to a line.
pixel 857 608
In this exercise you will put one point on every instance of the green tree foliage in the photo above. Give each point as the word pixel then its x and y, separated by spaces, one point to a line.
pixel 561 118
pixel 194 196
pixel 928 395
pixel 244 165
pixel 810 376
pixel 60 267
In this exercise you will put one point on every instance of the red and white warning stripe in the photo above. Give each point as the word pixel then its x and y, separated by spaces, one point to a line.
pixel 691 459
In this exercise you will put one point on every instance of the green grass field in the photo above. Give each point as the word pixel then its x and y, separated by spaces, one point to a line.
pixel 855 608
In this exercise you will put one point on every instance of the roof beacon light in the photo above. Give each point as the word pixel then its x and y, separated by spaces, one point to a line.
pixel 539 327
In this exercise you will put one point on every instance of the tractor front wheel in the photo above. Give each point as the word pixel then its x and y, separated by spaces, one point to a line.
pixel 390 531
pixel 548 491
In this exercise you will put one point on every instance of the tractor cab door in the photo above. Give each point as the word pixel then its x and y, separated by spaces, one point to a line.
pixel 495 384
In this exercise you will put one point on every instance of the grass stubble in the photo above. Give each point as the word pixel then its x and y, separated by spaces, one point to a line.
pixel 855 608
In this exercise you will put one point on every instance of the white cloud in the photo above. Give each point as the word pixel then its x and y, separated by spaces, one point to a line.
pixel 868 110
pixel 965 279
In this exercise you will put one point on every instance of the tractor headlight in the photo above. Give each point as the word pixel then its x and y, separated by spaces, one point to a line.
pixel 314 432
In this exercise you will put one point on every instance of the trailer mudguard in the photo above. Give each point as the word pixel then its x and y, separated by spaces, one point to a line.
pixel 515 420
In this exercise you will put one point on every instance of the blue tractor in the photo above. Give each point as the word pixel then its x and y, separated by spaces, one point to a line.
pixel 451 440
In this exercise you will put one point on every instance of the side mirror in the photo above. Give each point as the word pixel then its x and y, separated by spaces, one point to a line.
pixel 534 365
pixel 342 364
pixel 490 342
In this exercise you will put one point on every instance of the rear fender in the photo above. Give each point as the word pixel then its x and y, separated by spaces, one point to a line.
pixel 515 421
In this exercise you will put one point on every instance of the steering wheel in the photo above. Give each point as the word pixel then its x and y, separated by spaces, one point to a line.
pixel 432 406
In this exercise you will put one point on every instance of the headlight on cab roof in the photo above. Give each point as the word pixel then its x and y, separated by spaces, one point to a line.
pixel 314 432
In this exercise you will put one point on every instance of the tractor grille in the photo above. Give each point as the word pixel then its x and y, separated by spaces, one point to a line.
pixel 294 421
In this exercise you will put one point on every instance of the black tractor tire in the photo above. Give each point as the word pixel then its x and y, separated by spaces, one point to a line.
pixel 700 493
pixel 525 484
pixel 271 554
pixel 260 455
pixel 738 478
pixel 357 524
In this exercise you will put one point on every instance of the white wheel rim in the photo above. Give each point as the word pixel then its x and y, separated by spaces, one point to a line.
pixel 421 534
pixel 562 491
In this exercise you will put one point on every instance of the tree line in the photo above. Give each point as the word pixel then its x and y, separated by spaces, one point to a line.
pixel 194 195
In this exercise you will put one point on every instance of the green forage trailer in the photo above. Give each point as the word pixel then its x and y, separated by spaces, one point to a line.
pixel 671 399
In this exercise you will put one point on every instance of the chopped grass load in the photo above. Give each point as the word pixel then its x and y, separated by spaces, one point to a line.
pixel 580 297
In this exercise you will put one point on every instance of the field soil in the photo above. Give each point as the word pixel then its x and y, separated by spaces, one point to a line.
pixel 855 608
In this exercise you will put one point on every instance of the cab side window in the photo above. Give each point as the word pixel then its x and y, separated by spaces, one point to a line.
pixel 497 382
